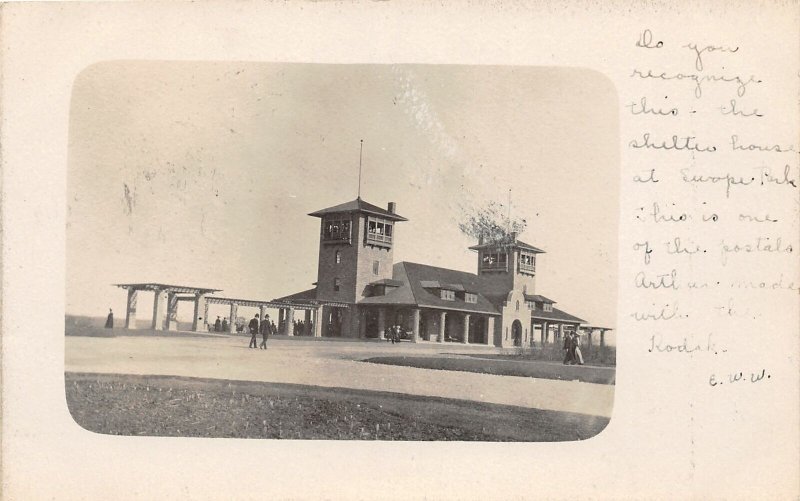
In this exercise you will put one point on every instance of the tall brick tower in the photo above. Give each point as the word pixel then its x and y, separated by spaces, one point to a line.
pixel 355 249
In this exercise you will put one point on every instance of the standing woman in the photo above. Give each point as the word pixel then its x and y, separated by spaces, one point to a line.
pixel 110 319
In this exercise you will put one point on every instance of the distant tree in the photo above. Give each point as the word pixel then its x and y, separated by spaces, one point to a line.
pixel 491 224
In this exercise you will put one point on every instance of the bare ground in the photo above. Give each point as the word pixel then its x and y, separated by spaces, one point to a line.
pixel 122 404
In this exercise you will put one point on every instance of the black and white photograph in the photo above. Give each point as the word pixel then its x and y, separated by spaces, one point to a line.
pixel 355 252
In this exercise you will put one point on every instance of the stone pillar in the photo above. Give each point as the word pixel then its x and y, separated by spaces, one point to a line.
pixel 199 299
pixel 362 323
pixel 545 328
pixel 232 318
pixel 415 325
pixel 307 323
pixel 130 311
pixel 205 314
pixel 489 331
pixel 158 310
pixel 561 331
pixel 172 311
pixel 465 338
pixel 281 320
pixel 289 322
pixel 317 321
pixel 262 312
pixel 442 321
pixel 381 323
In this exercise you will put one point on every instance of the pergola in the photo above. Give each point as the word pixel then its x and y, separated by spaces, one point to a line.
pixel 167 296
pixel 286 309
pixel 172 295
pixel 589 329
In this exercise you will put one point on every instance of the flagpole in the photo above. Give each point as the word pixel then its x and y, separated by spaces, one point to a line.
pixel 360 153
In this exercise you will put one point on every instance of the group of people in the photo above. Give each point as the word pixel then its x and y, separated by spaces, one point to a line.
pixel 221 325
pixel 393 334
pixel 572 347
pixel 299 327
pixel 264 327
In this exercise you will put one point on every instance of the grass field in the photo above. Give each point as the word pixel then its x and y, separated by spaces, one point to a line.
pixel 504 367
pixel 174 406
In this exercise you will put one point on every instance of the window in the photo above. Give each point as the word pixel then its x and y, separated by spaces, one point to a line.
pixel 337 284
pixel 548 306
pixel 494 261
pixel 338 257
pixel 527 263
pixel 379 232
pixel 376 267
pixel 517 305
pixel 448 295
pixel 336 230
pixel 470 297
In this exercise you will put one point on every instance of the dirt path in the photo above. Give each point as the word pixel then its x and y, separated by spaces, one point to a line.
pixel 329 364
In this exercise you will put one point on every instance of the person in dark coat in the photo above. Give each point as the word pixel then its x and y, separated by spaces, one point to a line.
pixel 253 326
pixel 217 324
pixel 265 328
pixel 569 357
pixel 110 319
pixel 224 325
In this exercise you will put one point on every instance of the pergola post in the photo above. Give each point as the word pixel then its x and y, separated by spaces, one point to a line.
pixel 415 314
pixel 232 318
pixel 545 328
pixel 465 338
pixel 130 311
pixel 442 321
pixel 172 312
pixel 589 333
pixel 199 299
pixel 317 321
pixel 158 310
pixel 307 322
pixel 560 333
pixel 602 346
pixel 489 330
pixel 205 312
pixel 381 323
pixel 289 322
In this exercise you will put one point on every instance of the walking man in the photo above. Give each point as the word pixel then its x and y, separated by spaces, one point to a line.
pixel 253 326
pixel 265 328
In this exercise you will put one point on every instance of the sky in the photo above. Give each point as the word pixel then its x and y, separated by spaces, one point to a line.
pixel 202 173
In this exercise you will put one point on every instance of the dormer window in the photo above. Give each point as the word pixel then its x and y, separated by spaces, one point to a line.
pixel 548 307
pixel 494 261
pixel 336 230
pixel 448 295
pixel 379 232
pixel 527 263
pixel 470 297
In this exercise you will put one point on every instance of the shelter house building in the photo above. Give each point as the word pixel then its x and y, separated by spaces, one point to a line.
pixel 361 292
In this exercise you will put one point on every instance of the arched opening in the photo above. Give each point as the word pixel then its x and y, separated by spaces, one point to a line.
pixel 516 332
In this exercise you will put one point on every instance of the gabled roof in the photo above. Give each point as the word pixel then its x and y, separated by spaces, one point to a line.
pixel 538 299
pixel 556 314
pixel 519 244
pixel 358 205
pixel 416 274
pixel 306 295
pixel 387 281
